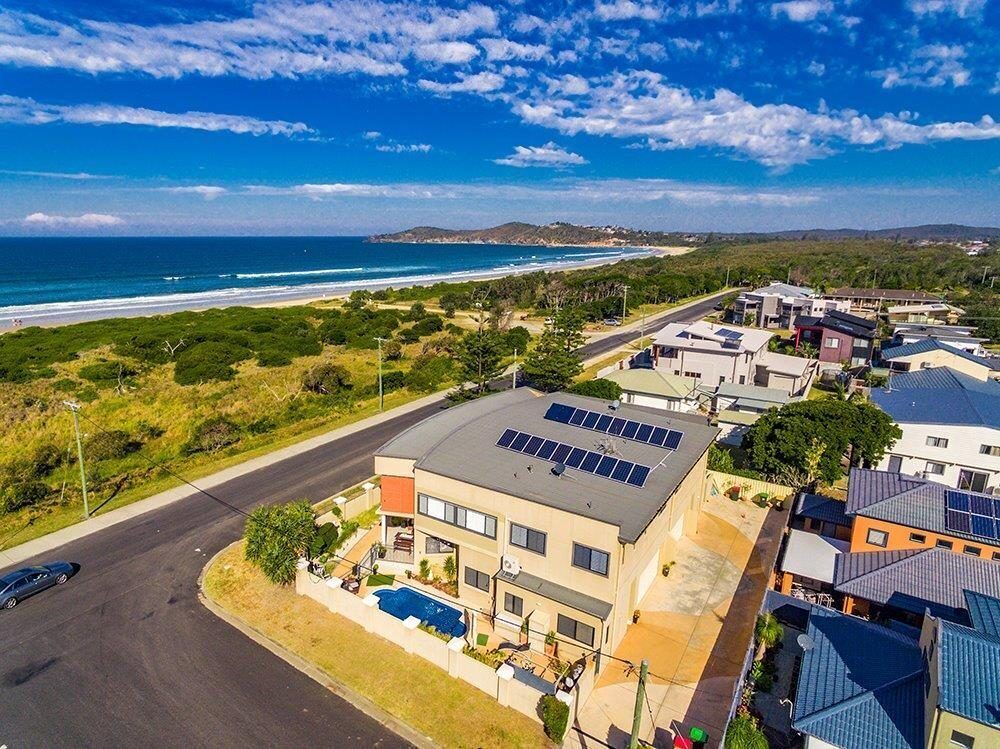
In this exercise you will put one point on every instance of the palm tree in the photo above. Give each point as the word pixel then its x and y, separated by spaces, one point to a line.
pixel 768 632
pixel 807 350
pixel 449 568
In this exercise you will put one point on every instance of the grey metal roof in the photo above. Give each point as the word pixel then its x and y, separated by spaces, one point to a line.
pixel 773 396
pixel 969 673
pixel 984 612
pixel 852 325
pixel 940 395
pixel 888 295
pixel 897 498
pixel 859 681
pixel 826 509
pixel 460 443
pixel 933 344
pixel 916 579
pixel 558 593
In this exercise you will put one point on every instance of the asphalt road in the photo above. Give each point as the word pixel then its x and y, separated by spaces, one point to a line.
pixel 124 655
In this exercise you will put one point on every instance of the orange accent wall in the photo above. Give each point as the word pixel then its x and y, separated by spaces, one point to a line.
pixel 899 538
pixel 397 494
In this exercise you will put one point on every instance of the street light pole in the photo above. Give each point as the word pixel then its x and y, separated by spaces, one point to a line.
pixel 513 383
pixel 624 302
pixel 640 697
pixel 74 409
pixel 381 393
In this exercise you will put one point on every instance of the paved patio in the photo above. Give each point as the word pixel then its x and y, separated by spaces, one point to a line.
pixel 694 629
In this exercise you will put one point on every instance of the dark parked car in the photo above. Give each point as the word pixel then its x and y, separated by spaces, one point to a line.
pixel 18 585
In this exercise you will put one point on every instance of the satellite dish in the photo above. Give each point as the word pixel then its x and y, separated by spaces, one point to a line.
pixel 559 469
pixel 805 642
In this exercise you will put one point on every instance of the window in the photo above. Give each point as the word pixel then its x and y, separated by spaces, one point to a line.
pixel 918 538
pixel 972 551
pixel 937 469
pixel 470 520
pixel 743 379
pixel 972 481
pixel 575 630
pixel 962 740
pixel 693 375
pixel 437 546
pixel 477 579
pixel 937 442
pixel 877 537
pixel 590 559
pixel 942 544
pixel 831 343
pixel 895 464
pixel 527 538
pixel 996 556
pixel 993 450
pixel 513 604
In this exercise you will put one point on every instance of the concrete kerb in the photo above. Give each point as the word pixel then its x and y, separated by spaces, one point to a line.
pixel 53 540
pixel 315 673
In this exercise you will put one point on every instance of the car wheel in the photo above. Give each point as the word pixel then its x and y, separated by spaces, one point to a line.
pixel 62 578
pixel 10 603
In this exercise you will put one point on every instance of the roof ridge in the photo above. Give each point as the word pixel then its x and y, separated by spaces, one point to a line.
pixel 855 699
pixel 902 555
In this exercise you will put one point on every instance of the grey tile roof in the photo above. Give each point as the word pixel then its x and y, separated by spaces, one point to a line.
pixel 933 344
pixel 460 443
pixel 969 673
pixel 559 593
pixel 888 295
pixel 770 395
pixel 818 507
pixel 984 611
pixel 852 325
pixel 916 579
pixel 940 395
pixel 858 681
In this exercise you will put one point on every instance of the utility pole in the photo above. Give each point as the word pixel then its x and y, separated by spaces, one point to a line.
pixel 727 278
pixel 984 273
pixel 513 383
pixel 74 409
pixel 381 393
pixel 640 698
pixel 624 302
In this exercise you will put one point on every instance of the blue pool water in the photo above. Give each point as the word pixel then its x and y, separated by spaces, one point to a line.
pixel 403 603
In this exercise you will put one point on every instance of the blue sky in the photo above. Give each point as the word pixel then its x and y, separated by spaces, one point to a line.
pixel 353 116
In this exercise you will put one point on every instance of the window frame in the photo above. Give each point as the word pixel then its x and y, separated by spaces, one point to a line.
pixel 918 538
pixel 929 463
pixel 944 543
pixel 933 441
pixel 973 475
pixel 961 740
pixel 459 515
pixel 992 450
pixel 477 577
pixel 516 601
pixel 885 537
pixel 528 531
pixel 972 551
pixel 590 559
pixel 576 625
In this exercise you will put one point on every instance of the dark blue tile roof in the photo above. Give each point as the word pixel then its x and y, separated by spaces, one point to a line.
pixel 984 611
pixel 860 685
pixel 940 396
pixel 933 344
pixel 969 673
pixel 818 507
pixel 917 579
pixel 852 325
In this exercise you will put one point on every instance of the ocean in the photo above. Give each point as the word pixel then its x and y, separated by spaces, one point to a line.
pixel 56 280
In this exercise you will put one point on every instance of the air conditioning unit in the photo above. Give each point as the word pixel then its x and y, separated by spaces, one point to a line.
pixel 510 565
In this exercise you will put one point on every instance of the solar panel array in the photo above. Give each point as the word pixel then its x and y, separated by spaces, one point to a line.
pixel 975 514
pixel 590 461
pixel 615 426
pixel 731 335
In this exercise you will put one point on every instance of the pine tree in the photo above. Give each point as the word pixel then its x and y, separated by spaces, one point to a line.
pixel 555 361
pixel 480 355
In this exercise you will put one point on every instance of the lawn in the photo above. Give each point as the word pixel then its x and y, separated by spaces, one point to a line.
pixel 379 579
pixel 450 712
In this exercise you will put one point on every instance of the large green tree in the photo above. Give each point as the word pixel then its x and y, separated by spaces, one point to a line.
pixel 480 357
pixel 808 441
pixel 276 536
pixel 555 362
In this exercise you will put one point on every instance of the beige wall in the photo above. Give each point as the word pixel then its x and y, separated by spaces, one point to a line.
pixel 393 466
pixel 939 358
pixel 984 736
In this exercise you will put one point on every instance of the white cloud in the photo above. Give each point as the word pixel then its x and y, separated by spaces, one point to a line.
pixel 549 155
pixel 505 49
pixel 85 221
pixel 23 111
pixel 624 10
pixel 816 68
pixel 208 192
pixel 403 147
pixel 56 175
pixel 453 53
pixel 371 135
pixel 685 45
pixel 931 66
pixel 643 105
pixel 475 83
pixel 960 8
pixel 801 11
pixel 319 191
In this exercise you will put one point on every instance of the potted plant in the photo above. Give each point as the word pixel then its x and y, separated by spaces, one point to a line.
pixel 635 616
pixel 524 631
pixel 733 493
pixel 425 568
pixel 666 568
pixel 551 645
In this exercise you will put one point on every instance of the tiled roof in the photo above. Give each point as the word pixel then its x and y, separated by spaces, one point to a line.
pixel 984 611
pixel 653 382
pixel 888 295
pixel 925 345
pixel 969 673
pixel 916 579
pixel 818 507
pixel 859 681
pixel 940 396
pixel 842 322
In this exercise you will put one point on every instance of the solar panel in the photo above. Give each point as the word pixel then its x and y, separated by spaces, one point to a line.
pixel 996 508
pixel 975 514
pixel 731 335
pixel 606 466
pixel 983 526
pixel 614 425
pixel 957 501
pixel 959 521
pixel 981 505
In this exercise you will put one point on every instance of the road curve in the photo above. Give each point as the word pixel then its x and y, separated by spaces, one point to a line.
pixel 124 655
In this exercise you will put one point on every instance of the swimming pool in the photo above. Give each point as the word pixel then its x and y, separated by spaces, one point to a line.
pixel 403 603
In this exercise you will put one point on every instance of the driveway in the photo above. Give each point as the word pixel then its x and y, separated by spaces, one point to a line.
pixel 694 630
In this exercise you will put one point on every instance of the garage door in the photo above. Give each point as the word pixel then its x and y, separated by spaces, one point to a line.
pixel 646 578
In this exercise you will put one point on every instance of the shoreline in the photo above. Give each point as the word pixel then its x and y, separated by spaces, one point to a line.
pixel 52 314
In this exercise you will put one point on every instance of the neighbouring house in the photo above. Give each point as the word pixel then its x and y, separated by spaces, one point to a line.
pixel 714 354
pixel 838 337
pixel 957 336
pixel 873 300
pixel 737 408
pixel 806 565
pixel 559 510
pixel 778 305
pixel 932 314
pixel 951 427
pixel 656 389
pixel 861 685
pixel 928 353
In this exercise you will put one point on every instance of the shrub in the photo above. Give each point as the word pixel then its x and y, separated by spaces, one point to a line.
pixel 516 338
pixel 273 358
pixel 428 326
pixel 106 373
pixel 207 361
pixel 44 460
pixel 16 496
pixel 212 435
pixel 425 568
pixel 720 459
pixel 417 311
pixel 392 380
pixel 604 389
pixel 327 379
pixel 262 426
pixel 276 536
pixel 555 716
pixel 428 372
pixel 326 536
pixel 392 350
pixel 410 335
pixel 112 444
